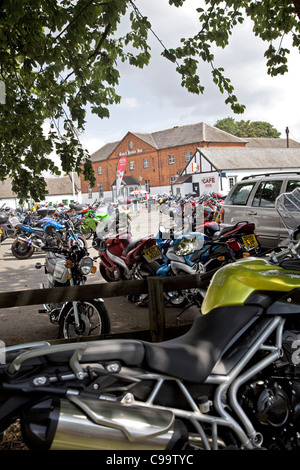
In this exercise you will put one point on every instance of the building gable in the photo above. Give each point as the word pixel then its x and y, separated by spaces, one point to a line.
pixel 132 145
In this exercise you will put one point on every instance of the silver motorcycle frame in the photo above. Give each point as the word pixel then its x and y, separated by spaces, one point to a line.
pixel 64 275
pixel 226 393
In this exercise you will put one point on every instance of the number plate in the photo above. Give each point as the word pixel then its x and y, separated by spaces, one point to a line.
pixel 250 241
pixel 152 253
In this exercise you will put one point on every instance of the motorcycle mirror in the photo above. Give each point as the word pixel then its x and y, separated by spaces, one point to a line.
pixel 38 265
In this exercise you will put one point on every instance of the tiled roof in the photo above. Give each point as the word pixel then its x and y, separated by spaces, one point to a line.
pixel 178 135
pixel 55 186
pixel 193 133
pixel 252 158
pixel 261 142
pixel 104 152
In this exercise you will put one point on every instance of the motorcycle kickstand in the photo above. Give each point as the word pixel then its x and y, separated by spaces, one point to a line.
pixel 188 306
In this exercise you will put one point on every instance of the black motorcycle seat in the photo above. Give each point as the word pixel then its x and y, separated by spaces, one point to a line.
pixel 239 225
pixel 128 351
pixel 131 246
pixel 193 355
pixel 190 357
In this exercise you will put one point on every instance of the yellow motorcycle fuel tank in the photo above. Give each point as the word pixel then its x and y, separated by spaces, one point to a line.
pixel 234 283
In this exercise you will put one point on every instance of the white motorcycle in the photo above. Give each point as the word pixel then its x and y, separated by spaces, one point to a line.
pixel 69 267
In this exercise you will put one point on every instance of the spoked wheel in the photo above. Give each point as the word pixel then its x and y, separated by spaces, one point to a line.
pixel 80 240
pixel 21 250
pixel 94 320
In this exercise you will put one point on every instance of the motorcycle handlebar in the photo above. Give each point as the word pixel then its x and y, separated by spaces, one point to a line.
pixel 293 249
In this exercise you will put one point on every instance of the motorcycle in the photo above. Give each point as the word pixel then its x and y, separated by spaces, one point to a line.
pixel 8 224
pixel 122 258
pixel 197 253
pixel 70 267
pixel 32 237
pixel 230 382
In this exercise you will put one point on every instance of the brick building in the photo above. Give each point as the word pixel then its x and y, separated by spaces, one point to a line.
pixel 154 160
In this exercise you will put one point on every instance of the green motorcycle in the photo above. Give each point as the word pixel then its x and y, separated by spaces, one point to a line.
pixel 101 214
pixel 92 217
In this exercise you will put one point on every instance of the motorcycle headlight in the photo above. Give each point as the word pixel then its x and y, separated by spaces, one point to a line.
pixel 187 245
pixel 86 265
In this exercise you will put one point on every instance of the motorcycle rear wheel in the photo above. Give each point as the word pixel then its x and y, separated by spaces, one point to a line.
pixel 94 320
pixel 21 251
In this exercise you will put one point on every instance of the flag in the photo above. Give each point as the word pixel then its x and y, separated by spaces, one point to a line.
pixel 120 172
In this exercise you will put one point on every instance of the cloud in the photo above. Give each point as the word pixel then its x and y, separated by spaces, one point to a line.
pixel 129 102
pixel 153 98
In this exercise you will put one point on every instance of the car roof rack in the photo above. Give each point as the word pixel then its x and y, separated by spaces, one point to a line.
pixel 272 174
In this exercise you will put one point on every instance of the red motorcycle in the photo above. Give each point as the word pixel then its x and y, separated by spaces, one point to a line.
pixel 241 238
pixel 122 258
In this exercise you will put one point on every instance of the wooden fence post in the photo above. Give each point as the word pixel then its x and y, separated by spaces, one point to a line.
pixel 156 308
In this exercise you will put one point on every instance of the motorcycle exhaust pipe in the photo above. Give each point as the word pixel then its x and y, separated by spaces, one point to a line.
pixel 28 242
pixel 92 425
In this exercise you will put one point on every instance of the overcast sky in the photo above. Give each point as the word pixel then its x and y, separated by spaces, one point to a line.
pixel 153 99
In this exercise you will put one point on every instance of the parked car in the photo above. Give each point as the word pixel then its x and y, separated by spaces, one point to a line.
pixel 253 199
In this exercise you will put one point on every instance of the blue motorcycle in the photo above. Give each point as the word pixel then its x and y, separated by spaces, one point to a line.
pixel 190 253
pixel 33 236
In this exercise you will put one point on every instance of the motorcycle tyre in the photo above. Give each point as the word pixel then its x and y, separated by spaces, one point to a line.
pixel 26 254
pixel 105 273
pixel 175 300
pixel 81 238
pixel 87 232
pixel 101 310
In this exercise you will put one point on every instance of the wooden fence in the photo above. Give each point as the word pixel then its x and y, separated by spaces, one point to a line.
pixel 155 287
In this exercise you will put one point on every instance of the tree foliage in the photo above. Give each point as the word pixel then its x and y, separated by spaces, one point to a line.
pixel 272 20
pixel 56 58
pixel 247 128
pixel 60 57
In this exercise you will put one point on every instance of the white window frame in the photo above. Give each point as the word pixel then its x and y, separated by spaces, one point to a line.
pixel 100 190
pixel 171 159
pixel 188 156
pixel 145 163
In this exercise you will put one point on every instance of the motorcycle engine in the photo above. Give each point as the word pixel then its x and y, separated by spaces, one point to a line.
pixel 273 403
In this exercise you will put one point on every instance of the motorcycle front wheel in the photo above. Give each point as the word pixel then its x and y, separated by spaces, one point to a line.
pixel 21 251
pixel 94 320
pixel 87 231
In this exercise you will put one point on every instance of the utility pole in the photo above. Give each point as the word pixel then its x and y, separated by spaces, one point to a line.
pixel 287 137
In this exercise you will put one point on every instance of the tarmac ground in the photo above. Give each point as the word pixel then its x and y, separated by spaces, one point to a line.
pixel 26 324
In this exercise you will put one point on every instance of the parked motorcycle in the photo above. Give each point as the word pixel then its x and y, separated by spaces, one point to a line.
pixel 230 382
pixel 197 253
pixel 32 237
pixel 8 225
pixel 70 267
pixel 120 256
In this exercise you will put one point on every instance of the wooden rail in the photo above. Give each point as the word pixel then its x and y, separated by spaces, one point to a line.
pixel 155 286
